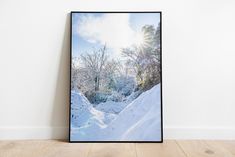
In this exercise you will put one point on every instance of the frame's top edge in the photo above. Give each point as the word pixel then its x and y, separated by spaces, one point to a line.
pixel 116 12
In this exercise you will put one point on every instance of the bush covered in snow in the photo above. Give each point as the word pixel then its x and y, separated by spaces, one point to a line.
pixel 96 97
pixel 115 96
pixel 125 85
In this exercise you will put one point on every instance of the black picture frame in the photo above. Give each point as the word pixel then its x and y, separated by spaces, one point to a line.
pixel 161 93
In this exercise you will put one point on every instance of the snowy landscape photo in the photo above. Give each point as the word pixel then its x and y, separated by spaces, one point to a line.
pixel 115 77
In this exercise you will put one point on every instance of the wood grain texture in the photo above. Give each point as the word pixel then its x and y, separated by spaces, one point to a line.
pixel 166 149
pixel 112 150
pixel 228 144
pixel 199 148
pixel 170 148
pixel 43 148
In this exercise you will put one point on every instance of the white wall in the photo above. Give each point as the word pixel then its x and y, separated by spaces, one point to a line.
pixel 198 66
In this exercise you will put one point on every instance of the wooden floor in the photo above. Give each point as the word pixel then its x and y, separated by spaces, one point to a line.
pixel 170 148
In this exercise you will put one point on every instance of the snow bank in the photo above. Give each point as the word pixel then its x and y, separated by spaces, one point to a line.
pixel 111 107
pixel 139 121
pixel 86 120
pixel 82 111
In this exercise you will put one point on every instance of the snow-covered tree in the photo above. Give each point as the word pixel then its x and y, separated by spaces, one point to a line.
pixel 74 73
pixel 145 58
pixel 94 64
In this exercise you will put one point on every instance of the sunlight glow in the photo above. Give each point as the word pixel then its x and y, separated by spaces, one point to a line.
pixel 116 35
pixel 139 39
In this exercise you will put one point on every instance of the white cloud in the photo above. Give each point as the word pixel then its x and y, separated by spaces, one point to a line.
pixel 112 29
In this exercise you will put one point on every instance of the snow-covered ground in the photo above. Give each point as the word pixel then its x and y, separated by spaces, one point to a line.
pixel 137 121
pixel 111 107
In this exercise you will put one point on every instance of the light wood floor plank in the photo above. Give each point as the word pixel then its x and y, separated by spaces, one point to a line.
pixel 43 148
pixel 229 145
pixel 198 148
pixel 166 149
pixel 57 148
pixel 112 150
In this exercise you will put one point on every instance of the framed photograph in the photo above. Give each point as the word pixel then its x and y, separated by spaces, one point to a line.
pixel 116 81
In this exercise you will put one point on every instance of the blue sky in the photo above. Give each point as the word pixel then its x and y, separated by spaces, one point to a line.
pixel 92 30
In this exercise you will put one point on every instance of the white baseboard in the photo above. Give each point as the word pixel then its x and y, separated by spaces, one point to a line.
pixel 25 133
pixel 221 133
